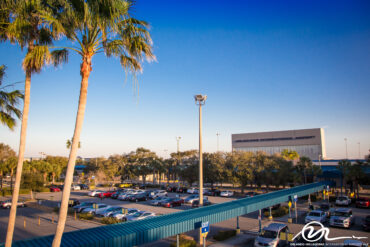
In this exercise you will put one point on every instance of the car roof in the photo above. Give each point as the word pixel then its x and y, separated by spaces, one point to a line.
pixel 274 227
pixel 344 210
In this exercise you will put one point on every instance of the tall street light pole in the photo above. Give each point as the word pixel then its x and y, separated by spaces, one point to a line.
pixel 345 140
pixel 200 100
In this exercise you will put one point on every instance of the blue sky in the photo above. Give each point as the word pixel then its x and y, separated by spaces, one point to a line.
pixel 265 65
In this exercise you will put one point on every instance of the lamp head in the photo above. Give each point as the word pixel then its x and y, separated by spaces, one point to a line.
pixel 200 99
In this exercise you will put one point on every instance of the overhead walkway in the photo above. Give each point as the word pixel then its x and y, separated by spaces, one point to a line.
pixel 145 231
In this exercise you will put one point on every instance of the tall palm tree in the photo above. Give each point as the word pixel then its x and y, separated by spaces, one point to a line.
pixel 98 26
pixel 343 167
pixel 22 22
pixel 8 103
pixel 303 166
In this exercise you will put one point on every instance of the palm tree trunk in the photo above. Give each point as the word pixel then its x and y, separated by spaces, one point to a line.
pixel 85 72
pixel 22 146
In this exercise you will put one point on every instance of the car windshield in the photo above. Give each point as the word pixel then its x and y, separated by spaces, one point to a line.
pixel 341 214
pixel 138 214
pixel 268 234
pixel 315 214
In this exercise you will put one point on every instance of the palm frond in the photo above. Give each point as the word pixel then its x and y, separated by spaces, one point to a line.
pixel 59 56
pixel 36 58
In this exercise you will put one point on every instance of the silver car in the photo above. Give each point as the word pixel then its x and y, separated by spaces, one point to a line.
pixel 342 217
pixel 270 235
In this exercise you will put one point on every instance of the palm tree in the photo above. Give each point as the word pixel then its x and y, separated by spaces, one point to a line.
pixel 8 103
pixel 304 164
pixel 98 26
pixel 343 166
pixel 22 22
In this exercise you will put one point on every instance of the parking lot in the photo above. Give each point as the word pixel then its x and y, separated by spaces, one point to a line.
pixel 249 224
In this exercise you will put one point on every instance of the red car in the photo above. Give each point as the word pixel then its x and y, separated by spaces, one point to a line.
pixel 363 202
pixel 106 194
pixel 172 202
pixel 54 189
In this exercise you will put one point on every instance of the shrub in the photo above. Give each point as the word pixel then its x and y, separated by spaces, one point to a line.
pixel 223 235
pixel 281 211
pixel 110 220
pixel 42 189
pixel 85 216
pixel 185 242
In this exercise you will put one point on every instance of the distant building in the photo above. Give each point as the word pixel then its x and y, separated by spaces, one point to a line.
pixel 306 142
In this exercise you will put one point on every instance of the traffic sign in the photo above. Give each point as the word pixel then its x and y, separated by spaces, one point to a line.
pixel 290 204
pixel 95 206
pixel 295 198
pixel 205 228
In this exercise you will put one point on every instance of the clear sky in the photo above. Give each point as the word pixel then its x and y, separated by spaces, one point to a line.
pixel 265 66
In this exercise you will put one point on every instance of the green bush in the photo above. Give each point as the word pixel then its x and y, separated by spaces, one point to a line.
pixel 85 216
pixel 277 212
pixel 185 242
pixel 110 220
pixel 42 189
pixel 223 235
pixel 8 192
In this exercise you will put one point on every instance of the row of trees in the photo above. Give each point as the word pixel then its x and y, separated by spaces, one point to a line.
pixel 91 27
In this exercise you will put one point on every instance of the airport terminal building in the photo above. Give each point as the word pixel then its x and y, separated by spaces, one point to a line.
pixel 307 142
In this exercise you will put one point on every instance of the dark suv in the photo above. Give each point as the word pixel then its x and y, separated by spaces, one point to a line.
pixel 138 197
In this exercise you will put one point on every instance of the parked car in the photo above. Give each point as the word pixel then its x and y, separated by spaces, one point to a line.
pixel 270 235
pixel 192 191
pixel 73 202
pixel 227 193
pixel 363 202
pixel 54 189
pixel 172 202
pixel 182 190
pixel 75 187
pixel 94 193
pixel 110 210
pixel 61 187
pixel 342 217
pixel 157 193
pixel 343 201
pixel 366 223
pixel 354 243
pixel 195 203
pixel 172 189
pixel 139 216
pixel 99 208
pixel 82 206
pixel 315 215
pixel 213 192
pixel 116 194
pixel 84 186
pixel 125 185
pixel 8 204
pixel 105 194
pixel 192 198
pixel 325 207
pixel 274 207
pixel 158 201
pixel 121 216
pixel 138 197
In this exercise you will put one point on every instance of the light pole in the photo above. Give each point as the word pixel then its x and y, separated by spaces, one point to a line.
pixel 217 134
pixel 200 100
pixel 345 140
pixel 320 160
pixel 178 138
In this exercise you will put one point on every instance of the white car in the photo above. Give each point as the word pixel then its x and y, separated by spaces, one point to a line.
pixel 140 216
pixel 192 198
pixel 100 208
pixel 109 211
pixel 94 193
pixel 120 215
pixel 75 187
pixel 342 217
pixel 227 193
pixel 269 235
pixel 192 191
pixel 343 201
pixel 158 200
pixel 124 196
pixel 158 193
pixel 315 215
pixel 8 204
